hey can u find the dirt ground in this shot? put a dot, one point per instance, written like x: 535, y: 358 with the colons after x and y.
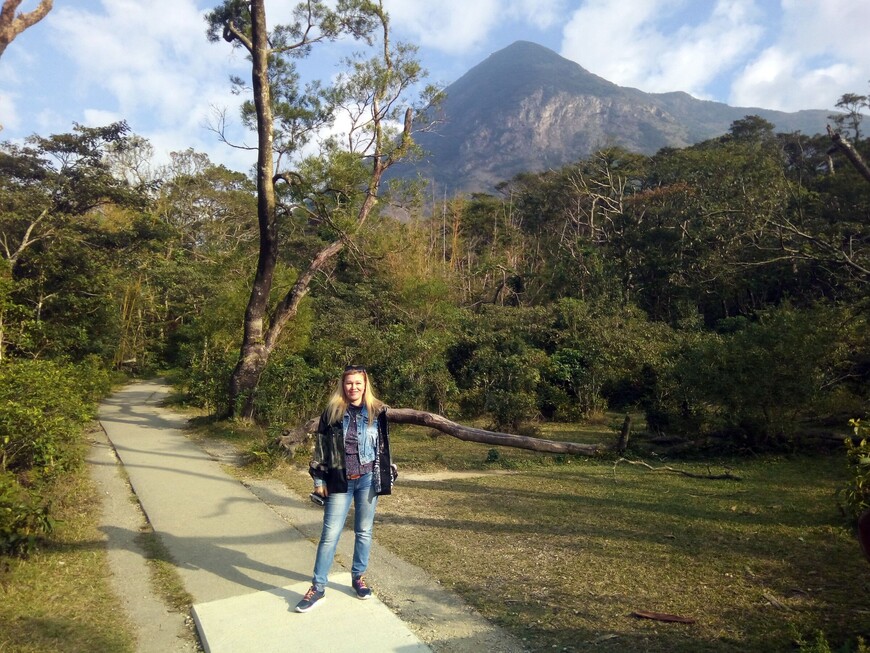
x: 437, y: 616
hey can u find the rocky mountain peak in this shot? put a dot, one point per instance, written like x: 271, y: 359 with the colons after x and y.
x: 527, y: 109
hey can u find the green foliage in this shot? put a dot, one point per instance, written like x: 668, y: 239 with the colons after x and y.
x: 758, y: 380
x: 497, y: 365
x: 60, y: 211
x: 599, y: 351
x: 819, y: 644
x: 45, y: 404
x: 23, y: 518
x: 854, y: 496
x: 291, y: 391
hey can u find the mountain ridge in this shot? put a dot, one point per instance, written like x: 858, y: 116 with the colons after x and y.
x: 527, y: 109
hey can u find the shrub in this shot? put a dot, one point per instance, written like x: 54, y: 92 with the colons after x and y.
x: 854, y: 496
x: 23, y: 518
x: 290, y: 391
x: 45, y: 404
x: 599, y: 354
x: 758, y: 382
x: 497, y: 367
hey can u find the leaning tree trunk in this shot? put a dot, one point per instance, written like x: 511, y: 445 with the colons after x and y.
x: 290, y: 439
x: 260, y: 339
x: 841, y: 144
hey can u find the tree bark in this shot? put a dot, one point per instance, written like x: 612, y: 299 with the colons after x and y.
x: 254, y: 353
x: 259, y: 340
x: 292, y: 438
x: 841, y: 144
x: 624, y: 434
x: 12, y: 25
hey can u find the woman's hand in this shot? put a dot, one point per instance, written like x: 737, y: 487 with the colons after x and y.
x: 320, y: 490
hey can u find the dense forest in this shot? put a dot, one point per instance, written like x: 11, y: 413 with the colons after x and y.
x: 719, y: 290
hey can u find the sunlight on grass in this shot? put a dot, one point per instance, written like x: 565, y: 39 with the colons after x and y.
x: 59, y: 599
x: 562, y: 550
x: 563, y: 555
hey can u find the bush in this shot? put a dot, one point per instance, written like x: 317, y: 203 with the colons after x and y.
x: 45, y: 405
x: 205, y: 378
x: 497, y: 367
x: 290, y: 391
x: 854, y: 496
x: 758, y: 382
x: 599, y: 354
x: 23, y: 518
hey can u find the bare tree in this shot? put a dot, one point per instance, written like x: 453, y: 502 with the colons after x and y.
x: 12, y: 24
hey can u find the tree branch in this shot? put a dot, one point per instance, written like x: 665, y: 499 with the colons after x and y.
x: 844, y: 146
x: 292, y: 438
x: 12, y: 25
x: 726, y: 476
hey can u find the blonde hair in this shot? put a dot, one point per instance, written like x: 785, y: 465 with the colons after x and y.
x: 338, y: 402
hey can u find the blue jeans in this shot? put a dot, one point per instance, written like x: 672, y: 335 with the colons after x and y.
x: 361, y: 492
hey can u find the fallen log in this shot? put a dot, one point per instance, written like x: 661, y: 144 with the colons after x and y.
x: 470, y: 434
x: 290, y: 439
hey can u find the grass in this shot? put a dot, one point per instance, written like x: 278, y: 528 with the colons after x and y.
x: 560, y: 552
x: 164, y: 573
x: 563, y: 550
x: 60, y: 599
x: 563, y: 555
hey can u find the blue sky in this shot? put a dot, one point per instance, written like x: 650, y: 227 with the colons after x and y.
x: 148, y: 61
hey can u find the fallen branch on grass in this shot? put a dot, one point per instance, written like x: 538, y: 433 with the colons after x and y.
x: 726, y: 476
x: 661, y: 616
x: 290, y: 439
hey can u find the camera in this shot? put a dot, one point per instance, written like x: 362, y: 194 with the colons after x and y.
x: 316, y: 498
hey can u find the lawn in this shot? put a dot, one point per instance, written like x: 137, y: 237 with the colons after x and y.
x: 59, y: 599
x: 561, y: 551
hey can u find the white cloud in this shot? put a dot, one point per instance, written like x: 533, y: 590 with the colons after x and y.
x: 151, y: 57
x: 540, y: 13
x: 151, y: 65
x: 649, y: 46
x: 449, y: 25
x: 99, y: 117
x: 8, y: 113
x: 821, y: 52
x: 458, y: 26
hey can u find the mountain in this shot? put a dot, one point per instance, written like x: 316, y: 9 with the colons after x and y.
x: 526, y: 109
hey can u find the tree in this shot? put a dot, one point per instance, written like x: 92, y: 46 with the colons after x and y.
x: 11, y: 25
x: 335, y: 193
x: 49, y: 188
x: 852, y: 104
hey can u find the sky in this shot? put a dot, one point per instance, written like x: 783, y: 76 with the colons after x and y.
x: 148, y: 62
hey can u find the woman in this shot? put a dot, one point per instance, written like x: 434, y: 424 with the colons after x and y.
x: 351, y: 463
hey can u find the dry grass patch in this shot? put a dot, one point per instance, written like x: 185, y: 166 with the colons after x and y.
x: 563, y: 550
x: 60, y: 598
x: 563, y: 554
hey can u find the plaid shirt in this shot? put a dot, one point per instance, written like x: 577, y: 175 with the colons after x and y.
x: 329, y: 466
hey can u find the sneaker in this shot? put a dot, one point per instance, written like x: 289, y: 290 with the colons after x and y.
x: 312, y: 596
x: 362, y: 590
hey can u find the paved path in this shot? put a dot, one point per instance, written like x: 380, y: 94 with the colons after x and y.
x: 245, y: 566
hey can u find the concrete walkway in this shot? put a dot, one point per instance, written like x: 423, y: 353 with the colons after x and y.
x: 245, y: 566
